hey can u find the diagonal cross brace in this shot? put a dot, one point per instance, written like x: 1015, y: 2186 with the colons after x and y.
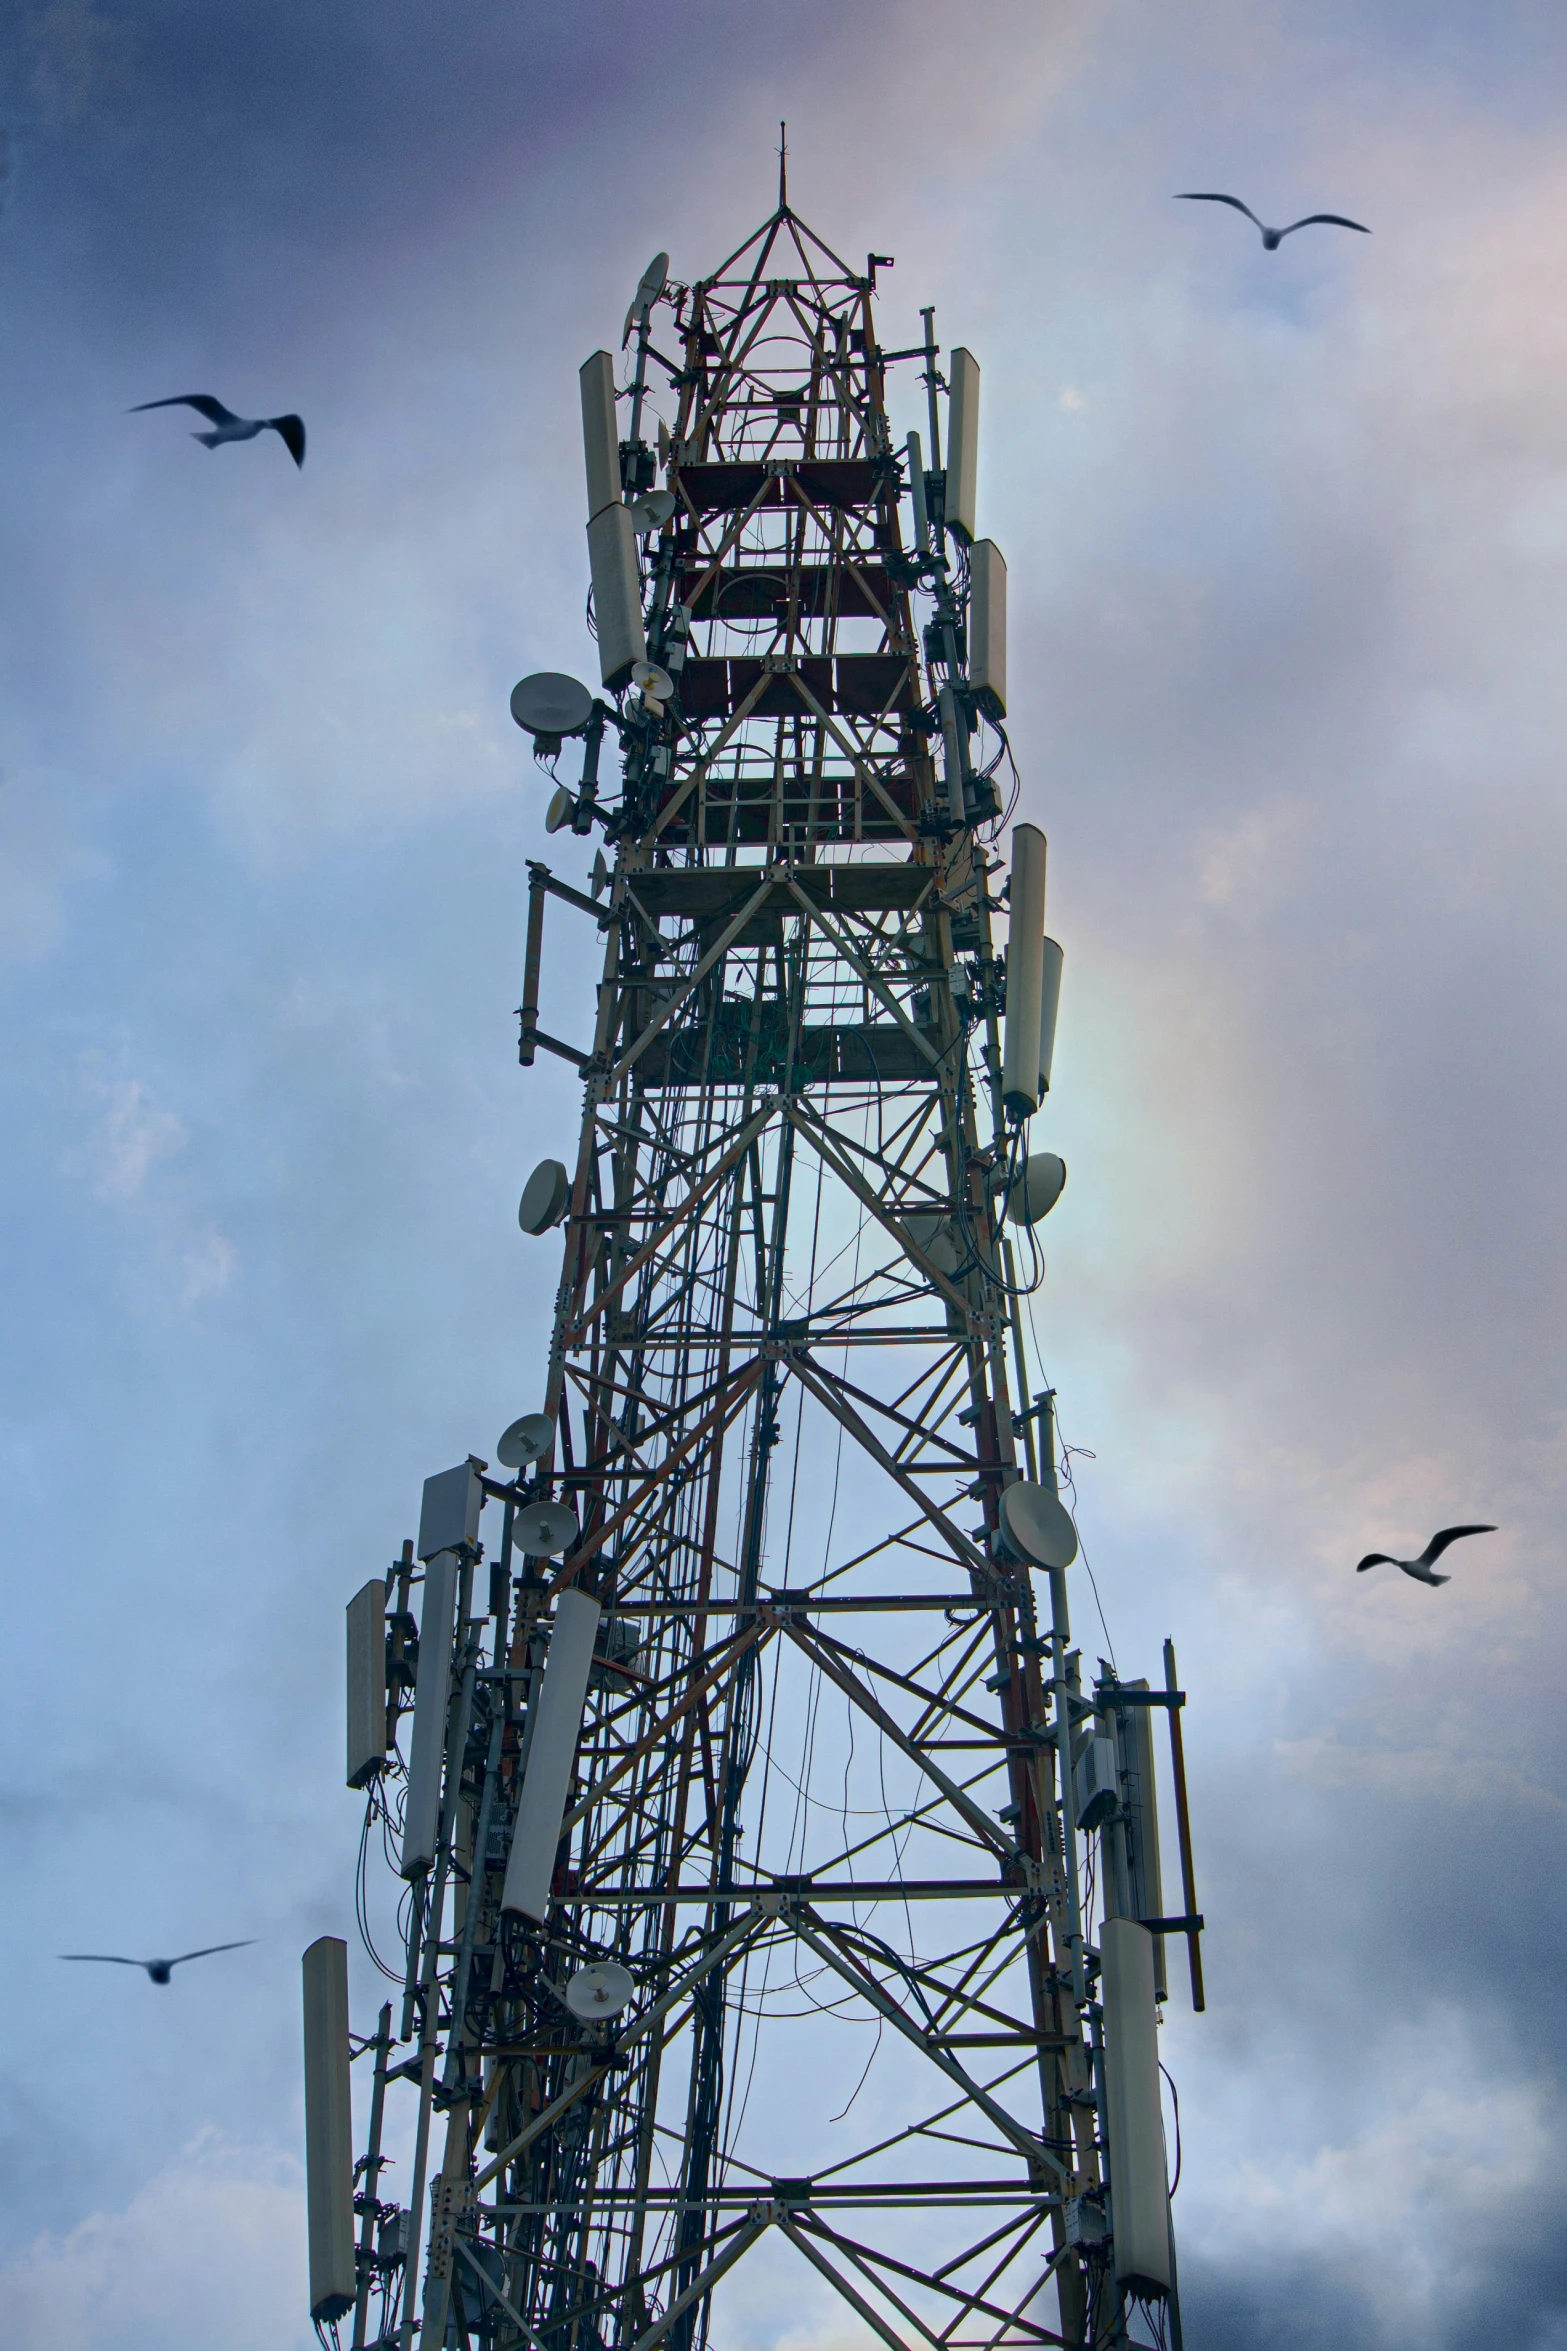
x: 820, y: 1383
x: 578, y: 1331
x: 682, y: 996
x: 817, y: 1933
x: 854, y: 1689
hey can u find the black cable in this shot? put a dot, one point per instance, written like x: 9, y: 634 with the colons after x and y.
x: 1175, y: 2101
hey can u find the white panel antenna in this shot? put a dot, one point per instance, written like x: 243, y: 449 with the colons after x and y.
x: 962, y: 444
x: 1132, y: 2107
x: 329, y: 2131
x: 600, y: 432
x: 987, y: 628
x: 617, y: 594
x: 367, y: 1684
x: 449, y: 1510
x: 432, y: 1689
x: 1049, y: 1006
x: 1025, y: 973
x: 552, y: 1751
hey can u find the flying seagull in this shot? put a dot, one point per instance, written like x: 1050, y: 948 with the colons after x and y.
x: 158, y: 1969
x: 1272, y: 239
x: 1420, y: 1568
x: 290, y: 430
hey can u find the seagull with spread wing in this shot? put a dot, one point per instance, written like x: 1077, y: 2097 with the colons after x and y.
x: 1272, y: 239
x: 1421, y: 1568
x: 159, y: 1970
x: 290, y: 430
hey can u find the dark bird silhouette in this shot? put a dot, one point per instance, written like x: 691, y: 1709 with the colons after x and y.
x: 1420, y: 1568
x: 290, y: 430
x: 159, y: 1970
x: 1272, y: 239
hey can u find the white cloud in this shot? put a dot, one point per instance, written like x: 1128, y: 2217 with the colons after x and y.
x: 208, y: 1265
x: 210, y: 2249
x: 131, y: 1137
x: 1409, y: 2211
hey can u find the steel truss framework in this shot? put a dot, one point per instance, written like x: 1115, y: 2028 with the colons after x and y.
x: 784, y: 1269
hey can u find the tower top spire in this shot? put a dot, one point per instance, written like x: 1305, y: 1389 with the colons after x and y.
x: 783, y: 167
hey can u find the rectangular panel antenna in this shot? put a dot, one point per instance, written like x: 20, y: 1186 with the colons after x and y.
x: 1049, y: 1006
x: 963, y: 444
x: 1140, y: 1803
x: 1025, y: 973
x: 617, y: 594
x: 987, y: 628
x: 367, y: 1683
x: 530, y: 1866
x: 432, y: 1689
x: 1139, y: 2200
x: 600, y: 432
x: 329, y: 2131
x: 449, y: 1512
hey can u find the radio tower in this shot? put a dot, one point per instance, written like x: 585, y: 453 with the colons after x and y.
x: 758, y: 1709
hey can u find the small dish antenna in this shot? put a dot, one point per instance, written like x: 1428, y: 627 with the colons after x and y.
x: 649, y: 287
x: 652, y: 510
x: 1042, y: 1183
x: 549, y: 705
x: 526, y: 1441
x: 932, y: 1235
x: 544, y: 1197
x: 1036, y: 1527
x: 561, y: 810
x: 544, y: 1529
x: 655, y: 685
x: 599, y: 875
x: 599, y: 1990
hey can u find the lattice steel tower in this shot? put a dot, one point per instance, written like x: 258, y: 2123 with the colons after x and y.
x: 763, y: 1714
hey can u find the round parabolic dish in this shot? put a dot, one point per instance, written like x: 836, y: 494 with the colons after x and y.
x: 544, y: 1529
x: 544, y: 1197
x: 1044, y: 1179
x: 932, y: 1234
x: 550, y: 703
x: 601, y: 1989
x: 1036, y: 1526
x: 526, y: 1441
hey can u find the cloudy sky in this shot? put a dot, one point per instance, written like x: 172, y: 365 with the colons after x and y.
x: 1288, y: 548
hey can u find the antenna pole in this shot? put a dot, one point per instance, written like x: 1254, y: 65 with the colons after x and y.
x: 783, y: 167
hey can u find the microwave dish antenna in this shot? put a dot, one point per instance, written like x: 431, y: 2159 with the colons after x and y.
x: 1036, y: 1527
x: 649, y: 287
x: 601, y: 1989
x: 655, y: 685
x: 1043, y: 1182
x: 526, y: 1441
x: 651, y: 511
x: 545, y: 1529
x: 544, y: 1197
x: 548, y: 703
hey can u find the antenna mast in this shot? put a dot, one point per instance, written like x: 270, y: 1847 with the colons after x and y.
x: 755, y: 1718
